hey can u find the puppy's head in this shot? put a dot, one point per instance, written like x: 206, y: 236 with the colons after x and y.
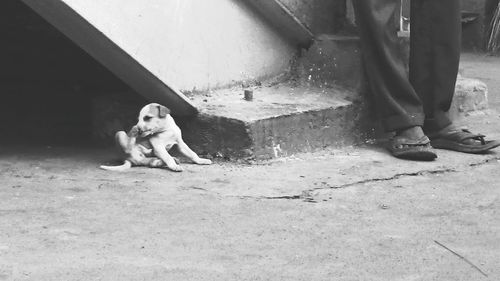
x: 152, y: 119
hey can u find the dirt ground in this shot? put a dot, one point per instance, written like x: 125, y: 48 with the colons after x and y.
x: 350, y: 214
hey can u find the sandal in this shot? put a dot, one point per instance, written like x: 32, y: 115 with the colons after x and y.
x: 457, y: 140
x: 404, y: 148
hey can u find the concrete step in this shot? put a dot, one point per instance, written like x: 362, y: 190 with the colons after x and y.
x: 281, y: 120
x: 471, y: 95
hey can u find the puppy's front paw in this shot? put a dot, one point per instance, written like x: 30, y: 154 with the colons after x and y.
x: 176, y: 168
x: 134, y: 132
x: 203, y: 161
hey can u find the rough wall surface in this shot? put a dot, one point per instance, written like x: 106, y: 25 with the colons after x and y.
x: 191, y: 44
x: 321, y: 16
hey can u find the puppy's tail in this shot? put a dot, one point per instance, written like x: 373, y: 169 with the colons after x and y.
x: 125, y: 166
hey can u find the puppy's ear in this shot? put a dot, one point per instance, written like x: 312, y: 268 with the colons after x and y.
x: 163, y: 111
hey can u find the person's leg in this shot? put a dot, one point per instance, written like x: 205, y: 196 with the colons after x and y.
x: 395, y: 99
x: 434, y: 61
x: 434, y: 57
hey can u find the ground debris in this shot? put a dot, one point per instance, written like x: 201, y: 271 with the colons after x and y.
x: 463, y: 258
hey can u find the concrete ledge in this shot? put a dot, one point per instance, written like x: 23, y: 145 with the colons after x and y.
x: 280, y: 121
x: 470, y: 95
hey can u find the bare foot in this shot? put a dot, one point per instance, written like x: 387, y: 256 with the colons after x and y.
x: 413, y: 133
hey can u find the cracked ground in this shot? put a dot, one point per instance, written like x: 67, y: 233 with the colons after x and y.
x: 350, y: 214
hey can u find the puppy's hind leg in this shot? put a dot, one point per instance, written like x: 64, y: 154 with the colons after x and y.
x: 122, y: 140
x: 126, y: 141
x: 184, y: 149
x: 153, y: 162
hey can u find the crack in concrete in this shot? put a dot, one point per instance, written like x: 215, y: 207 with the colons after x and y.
x: 395, y: 177
x: 306, y: 195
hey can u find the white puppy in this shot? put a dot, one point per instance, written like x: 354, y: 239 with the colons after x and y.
x: 148, y: 142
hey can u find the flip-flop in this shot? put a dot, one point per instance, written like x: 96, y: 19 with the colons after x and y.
x: 419, y: 150
x: 457, y: 140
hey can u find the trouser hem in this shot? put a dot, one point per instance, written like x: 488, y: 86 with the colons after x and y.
x: 401, y: 122
x: 436, y: 123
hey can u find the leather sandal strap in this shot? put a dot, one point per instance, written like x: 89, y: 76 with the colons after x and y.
x: 402, y: 141
x: 465, y: 134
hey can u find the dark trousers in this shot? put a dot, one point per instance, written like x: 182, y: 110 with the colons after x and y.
x: 423, y: 98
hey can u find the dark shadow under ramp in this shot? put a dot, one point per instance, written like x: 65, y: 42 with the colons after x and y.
x: 104, y: 50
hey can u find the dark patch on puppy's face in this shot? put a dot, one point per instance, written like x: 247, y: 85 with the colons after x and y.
x: 163, y: 111
x: 159, y: 111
